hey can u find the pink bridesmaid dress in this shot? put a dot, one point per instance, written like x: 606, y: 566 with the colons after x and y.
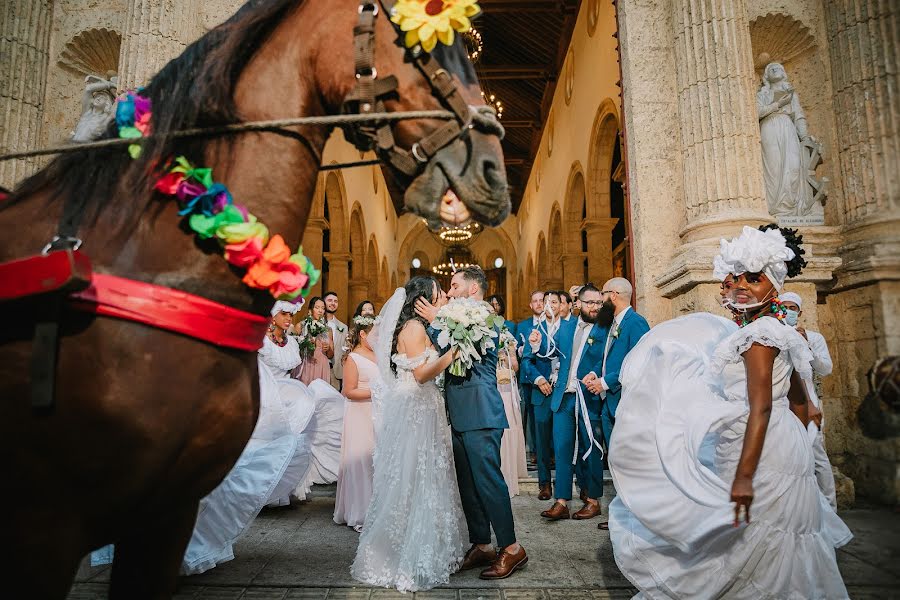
x: 354, y: 486
x: 512, y: 444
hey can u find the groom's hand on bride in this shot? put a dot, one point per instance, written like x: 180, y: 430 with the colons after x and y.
x: 426, y: 310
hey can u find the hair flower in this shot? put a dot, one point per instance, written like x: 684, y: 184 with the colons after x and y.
x: 754, y: 251
x: 208, y: 202
x: 245, y: 253
x: 201, y: 175
x: 206, y: 227
x: 427, y: 22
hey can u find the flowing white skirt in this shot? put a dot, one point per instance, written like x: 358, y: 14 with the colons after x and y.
x: 324, y: 431
x: 673, y: 454
x: 414, y: 533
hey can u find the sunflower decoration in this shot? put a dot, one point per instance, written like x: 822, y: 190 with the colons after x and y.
x: 428, y: 22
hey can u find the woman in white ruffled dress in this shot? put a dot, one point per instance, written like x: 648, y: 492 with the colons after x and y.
x: 415, y: 534
x: 712, y: 463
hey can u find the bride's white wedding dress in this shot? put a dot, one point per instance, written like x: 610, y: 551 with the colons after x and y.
x: 674, y: 451
x: 415, y: 531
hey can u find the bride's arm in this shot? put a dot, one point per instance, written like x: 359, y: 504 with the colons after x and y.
x: 413, y: 341
x: 758, y: 362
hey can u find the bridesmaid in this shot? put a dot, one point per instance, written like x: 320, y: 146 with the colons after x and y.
x: 512, y: 444
x: 316, y: 365
x: 354, y: 486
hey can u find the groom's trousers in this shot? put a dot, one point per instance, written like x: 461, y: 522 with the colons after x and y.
x: 482, y: 489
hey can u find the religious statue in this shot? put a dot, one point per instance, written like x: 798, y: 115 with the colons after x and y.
x: 98, y: 106
x: 790, y: 154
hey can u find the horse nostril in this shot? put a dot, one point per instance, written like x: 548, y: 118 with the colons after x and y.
x: 492, y: 174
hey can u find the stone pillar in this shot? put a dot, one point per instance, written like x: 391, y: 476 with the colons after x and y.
x: 862, y: 322
x: 359, y: 291
x: 24, y: 47
x: 156, y: 31
x: 722, y: 164
x: 573, y: 270
x: 312, y: 247
x: 339, y: 280
x: 599, y: 243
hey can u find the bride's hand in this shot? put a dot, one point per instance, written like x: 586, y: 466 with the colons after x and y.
x: 742, y: 496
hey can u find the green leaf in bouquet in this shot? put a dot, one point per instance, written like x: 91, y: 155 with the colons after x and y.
x: 459, y: 334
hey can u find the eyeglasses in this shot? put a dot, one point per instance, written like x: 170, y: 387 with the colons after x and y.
x: 591, y: 302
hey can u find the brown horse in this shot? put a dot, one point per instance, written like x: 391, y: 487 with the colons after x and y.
x: 147, y: 422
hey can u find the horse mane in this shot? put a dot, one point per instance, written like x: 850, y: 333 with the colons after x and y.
x: 196, y: 89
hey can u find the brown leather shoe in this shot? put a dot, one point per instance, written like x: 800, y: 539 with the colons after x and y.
x: 546, y: 492
x: 588, y: 511
x: 506, y: 564
x: 556, y: 512
x: 476, y: 557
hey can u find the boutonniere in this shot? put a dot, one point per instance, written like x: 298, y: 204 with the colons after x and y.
x: 617, y: 331
x: 590, y: 341
x: 341, y: 329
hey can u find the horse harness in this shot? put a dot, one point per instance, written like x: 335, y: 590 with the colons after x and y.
x: 61, y: 275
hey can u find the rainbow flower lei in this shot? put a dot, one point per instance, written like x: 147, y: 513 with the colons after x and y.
x: 212, y: 213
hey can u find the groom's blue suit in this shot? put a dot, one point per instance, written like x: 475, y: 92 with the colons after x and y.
x: 477, y: 419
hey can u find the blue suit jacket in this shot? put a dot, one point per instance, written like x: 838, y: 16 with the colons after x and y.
x: 632, y: 329
x: 536, y: 365
x: 591, y: 360
x: 474, y: 401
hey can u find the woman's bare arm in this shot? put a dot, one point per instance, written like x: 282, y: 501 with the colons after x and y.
x: 351, y: 389
x: 758, y: 362
x: 412, y: 341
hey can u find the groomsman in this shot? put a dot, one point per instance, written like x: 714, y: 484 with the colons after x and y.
x: 339, y: 331
x: 626, y: 328
x: 537, y: 373
x: 522, y: 331
x: 576, y: 410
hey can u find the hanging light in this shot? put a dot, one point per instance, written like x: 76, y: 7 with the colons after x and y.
x: 473, y: 43
x: 493, y: 101
x: 458, y: 235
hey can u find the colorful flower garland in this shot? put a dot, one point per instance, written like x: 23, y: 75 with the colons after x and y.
x: 775, y: 309
x: 212, y: 213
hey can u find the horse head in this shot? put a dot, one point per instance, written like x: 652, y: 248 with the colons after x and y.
x: 425, y: 158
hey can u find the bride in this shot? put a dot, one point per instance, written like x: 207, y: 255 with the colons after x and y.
x: 414, y: 533
x: 721, y: 426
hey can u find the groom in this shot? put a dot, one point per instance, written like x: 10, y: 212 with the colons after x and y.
x: 477, y: 419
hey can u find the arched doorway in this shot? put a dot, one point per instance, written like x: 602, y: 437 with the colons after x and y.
x: 555, y: 276
x: 358, y: 282
x: 575, y: 255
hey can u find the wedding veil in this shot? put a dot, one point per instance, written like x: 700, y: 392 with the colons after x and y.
x: 382, y: 339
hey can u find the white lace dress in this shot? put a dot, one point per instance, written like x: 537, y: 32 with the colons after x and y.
x: 415, y: 531
x: 674, y: 451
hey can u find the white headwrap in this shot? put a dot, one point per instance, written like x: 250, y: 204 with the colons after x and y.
x: 792, y: 297
x: 754, y: 251
x: 285, y: 306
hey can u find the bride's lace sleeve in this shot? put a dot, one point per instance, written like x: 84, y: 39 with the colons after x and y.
x: 409, y: 364
x: 766, y: 332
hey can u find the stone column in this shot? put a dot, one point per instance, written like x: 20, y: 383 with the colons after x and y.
x: 573, y: 269
x: 156, y: 31
x: 339, y: 280
x: 722, y: 164
x: 312, y: 247
x: 599, y: 243
x: 359, y: 291
x: 24, y: 47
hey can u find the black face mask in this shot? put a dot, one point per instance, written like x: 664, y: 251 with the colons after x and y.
x: 607, y: 314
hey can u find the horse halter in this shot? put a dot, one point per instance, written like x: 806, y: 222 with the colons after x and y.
x: 370, y: 92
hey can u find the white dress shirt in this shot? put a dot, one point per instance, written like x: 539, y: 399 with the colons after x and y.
x: 617, y: 322
x: 582, y: 333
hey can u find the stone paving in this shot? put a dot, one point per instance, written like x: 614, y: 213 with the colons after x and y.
x: 298, y: 553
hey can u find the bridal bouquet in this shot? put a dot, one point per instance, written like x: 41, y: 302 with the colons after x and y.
x: 468, y: 326
x: 312, y: 329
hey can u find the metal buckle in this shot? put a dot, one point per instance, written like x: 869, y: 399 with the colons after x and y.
x: 373, y: 6
x: 372, y: 73
x: 415, y: 152
x: 72, y: 242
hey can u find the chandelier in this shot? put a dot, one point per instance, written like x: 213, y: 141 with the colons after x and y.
x: 494, y: 102
x: 457, y: 235
x: 473, y: 43
x: 457, y: 257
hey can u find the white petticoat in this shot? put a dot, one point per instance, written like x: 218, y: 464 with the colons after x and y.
x: 676, y: 443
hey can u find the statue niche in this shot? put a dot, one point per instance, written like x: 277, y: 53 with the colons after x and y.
x: 98, y: 102
x: 790, y: 155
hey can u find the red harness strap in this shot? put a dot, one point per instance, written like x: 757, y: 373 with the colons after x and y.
x: 172, y: 310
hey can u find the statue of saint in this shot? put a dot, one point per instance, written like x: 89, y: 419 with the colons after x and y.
x: 789, y: 154
x: 98, y: 106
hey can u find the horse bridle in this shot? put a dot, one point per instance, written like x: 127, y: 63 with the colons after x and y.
x: 370, y: 92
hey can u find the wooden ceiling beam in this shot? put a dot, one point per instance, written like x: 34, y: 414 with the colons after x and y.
x: 522, y: 124
x: 495, y: 72
x: 529, y: 6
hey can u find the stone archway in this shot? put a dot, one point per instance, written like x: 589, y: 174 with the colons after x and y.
x: 531, y: 283
x: 555, y: 245
x: 358, y: 283
x: 384, y: 280
x: 372, y: 269
x: 543, y: 262
x: 335, y: 242
x: 604, y: 225
x: 574, y: 258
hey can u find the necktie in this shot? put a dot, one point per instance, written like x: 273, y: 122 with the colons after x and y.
x: 580, y: 332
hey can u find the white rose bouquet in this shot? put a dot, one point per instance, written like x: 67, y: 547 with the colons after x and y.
x: 468, y: 326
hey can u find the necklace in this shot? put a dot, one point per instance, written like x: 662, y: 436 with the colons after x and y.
x: 775, y: 309
x: 274, y: 339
